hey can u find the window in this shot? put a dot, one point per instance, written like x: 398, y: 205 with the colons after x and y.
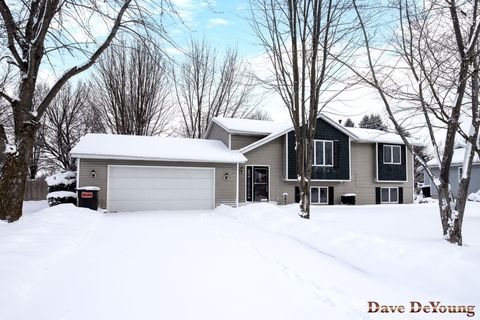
x: 460, y: 173
x: 319, y: 195
x: 323, y: 153
x: 391, y: 154
x: 389, y: 195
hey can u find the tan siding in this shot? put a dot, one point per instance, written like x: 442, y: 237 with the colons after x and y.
x: 225, y: 190
x: 240, y: 141
x: 218, y: 133
x: 362, y: 181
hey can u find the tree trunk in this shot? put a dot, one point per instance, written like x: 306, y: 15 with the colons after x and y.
x: 13, y: 175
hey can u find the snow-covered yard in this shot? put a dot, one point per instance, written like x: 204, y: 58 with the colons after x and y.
x: 254, y: 262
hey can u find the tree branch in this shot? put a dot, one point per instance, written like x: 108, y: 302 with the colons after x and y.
x: 12, y: 34
x: 78, y: 69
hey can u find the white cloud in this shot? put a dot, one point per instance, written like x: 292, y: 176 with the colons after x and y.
x: 217, y: 22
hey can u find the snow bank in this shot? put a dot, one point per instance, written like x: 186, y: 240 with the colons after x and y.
x: 392, y: 243
x: 29, y: 246
x: 474, y: 196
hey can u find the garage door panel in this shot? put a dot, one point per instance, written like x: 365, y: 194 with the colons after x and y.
x: 156, y: 182
x: 161, y: 194
x: 173, y: 205
x: 160, y: 188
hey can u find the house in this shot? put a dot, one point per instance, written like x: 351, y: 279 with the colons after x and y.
x: 241, y: 161
x: 455, y: 172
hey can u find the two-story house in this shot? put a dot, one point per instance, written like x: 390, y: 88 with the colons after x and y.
x: 241, y: 161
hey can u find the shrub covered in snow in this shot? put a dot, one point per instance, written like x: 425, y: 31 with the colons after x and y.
x: 474, y: 196
x: 61, y: 188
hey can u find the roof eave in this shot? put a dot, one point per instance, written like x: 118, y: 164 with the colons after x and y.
x: 117, y: 157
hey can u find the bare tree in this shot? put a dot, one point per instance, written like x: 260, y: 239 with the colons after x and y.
x: 435, y: 63
x: 207, y: 86
x: 65, y: 123
x: 35, y: 32
x: 299, y: 38
x: 131, y: 89
x: 259, y: 114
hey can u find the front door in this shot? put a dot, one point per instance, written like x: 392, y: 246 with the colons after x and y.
x: 257, y: 183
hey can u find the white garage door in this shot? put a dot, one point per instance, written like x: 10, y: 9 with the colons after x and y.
x: 160, y: 188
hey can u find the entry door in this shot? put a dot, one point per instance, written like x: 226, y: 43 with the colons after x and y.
x: 257, y: 183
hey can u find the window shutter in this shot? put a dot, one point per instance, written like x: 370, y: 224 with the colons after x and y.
x: 331, y: 196
x: 335, y: 154
x: 400, y: 195
x: 377, y: 195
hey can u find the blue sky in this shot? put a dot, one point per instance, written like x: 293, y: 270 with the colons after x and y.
x: 223, y: 23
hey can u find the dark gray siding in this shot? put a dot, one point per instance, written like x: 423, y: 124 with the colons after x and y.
x: 218, y: 133
x: 362, y: 182
x: 225, y: 190
x: 341, y: 168
x: 391, y: 172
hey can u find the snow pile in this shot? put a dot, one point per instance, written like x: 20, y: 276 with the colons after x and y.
x: 33, y: 245
x: 61, y: 188
x: 61, y: 194
x: 474, y: 196
x: 64, y: 177
x: 398, y: 243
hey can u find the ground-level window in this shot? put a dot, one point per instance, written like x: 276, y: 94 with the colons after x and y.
x: 389, y: 195
x: 319, y: 195
x: 460, y: 173
x: 391, y: 154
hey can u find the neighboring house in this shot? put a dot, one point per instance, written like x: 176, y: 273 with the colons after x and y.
x: 241, y: 161
x: 455, y: 172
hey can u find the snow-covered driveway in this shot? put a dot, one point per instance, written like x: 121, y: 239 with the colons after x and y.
x: 70, y: 263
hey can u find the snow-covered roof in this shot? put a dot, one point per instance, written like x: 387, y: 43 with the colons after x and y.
x: 247, y: 126
x: 457, y: 159
x: 113, y: 146
x: 378, y: 136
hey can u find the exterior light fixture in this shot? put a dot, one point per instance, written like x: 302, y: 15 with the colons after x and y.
x: 93, y: 173
x: 241, y: 169
x: 226, y: 176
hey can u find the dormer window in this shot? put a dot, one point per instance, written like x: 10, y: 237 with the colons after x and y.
x: 323, y: 153
x: 392, y: 154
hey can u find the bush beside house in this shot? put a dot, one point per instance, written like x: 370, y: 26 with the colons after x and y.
x: 61, y: 188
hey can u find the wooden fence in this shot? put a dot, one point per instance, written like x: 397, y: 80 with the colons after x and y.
x: 36, y: 189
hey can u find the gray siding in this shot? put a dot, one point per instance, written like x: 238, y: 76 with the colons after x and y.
x: 453, y: 176
x: 225, y: 190
x: 362, y: 181
x: 218, y: 133
x: 240, y: 141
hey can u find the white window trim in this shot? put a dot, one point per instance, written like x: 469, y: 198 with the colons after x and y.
x: 389, y: 188
x: 315, y: 164
x: 391, y: 153
x: 319, y: 202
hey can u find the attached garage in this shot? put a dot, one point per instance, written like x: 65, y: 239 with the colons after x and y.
x: 137, y: 173
x: 141, y: 188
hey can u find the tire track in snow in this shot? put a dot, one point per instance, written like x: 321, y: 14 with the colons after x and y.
x: 329, y: 295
